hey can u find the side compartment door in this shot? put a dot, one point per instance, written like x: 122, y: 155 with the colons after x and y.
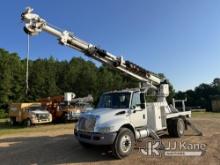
x: 138, y: 116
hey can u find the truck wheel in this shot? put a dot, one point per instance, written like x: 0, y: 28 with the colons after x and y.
x: 124, y: 143
x: 27, y: 123
x: 64, y: 118
x: 12, y: 121
x: 176, y: 127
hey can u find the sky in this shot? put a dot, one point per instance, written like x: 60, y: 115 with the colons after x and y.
x: 180, y: 38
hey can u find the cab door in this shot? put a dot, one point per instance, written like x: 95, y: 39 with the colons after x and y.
x: 138, y: 113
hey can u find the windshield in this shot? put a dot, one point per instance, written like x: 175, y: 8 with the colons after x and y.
x: 36, y: 108
x: 115, y: 100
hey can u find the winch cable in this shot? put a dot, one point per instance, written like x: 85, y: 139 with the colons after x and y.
x: 27, y: 63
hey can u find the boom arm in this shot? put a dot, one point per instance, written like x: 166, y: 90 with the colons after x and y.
x: 34, y: 24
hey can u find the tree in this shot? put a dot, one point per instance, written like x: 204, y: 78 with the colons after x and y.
x: 50, y: 77
x: 216, y: 82
x: 10, y: 77
x: 202, y: 95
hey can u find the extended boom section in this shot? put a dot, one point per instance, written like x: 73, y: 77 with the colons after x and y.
x: 34, y: 24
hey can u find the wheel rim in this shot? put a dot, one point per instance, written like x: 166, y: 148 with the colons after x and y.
x: 125, y: 143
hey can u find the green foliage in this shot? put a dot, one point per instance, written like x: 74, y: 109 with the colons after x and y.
x: 11, y: 77
x: 50, y: 77
x: 202, y: 95
x: 3, y: 114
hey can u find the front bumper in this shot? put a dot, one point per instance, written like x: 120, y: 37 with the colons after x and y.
x: 41, y: 121
x: 95, y: 138
x: 72, y: 116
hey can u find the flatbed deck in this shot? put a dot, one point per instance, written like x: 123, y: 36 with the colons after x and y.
x: 177, y: 114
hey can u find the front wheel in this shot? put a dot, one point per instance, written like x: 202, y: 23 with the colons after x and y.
x: 13, y: 121
x: 124, y: 143
x: 27, y: 123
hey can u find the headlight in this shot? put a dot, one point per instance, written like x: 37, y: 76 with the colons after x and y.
x: 106, y: 129
x: 33, y: 116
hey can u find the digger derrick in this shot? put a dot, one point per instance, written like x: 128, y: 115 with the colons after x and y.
x: 34, y: 24
x: 61, y: 108
x: 109, y: 124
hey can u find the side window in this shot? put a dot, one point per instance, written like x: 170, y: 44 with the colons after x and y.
x: 135, y: 99
x: 14, y: 109
x: 107, y: 101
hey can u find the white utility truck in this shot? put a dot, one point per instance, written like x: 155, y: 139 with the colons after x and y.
x: 121, y: 117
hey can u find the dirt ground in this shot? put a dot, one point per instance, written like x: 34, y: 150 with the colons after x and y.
x: 58, y: 146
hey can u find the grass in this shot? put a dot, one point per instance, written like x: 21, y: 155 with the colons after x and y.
x: 6, y: 129
x: 3, y: 120
x: 206, y: 114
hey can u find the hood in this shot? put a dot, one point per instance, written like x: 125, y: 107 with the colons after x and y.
x: 105, y: 112
x: 105, y: 117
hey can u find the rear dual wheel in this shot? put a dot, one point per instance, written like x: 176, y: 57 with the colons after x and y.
x: 176, y: 127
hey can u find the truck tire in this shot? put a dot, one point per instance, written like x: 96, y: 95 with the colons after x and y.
x: 124, y: 143
x: 13, y: 121
x: 176, y: 127
x: 27, y: 123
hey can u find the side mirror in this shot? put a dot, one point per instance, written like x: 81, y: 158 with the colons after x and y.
x: 142, y: 97
x: 136, y: 107
x: 142, y: 106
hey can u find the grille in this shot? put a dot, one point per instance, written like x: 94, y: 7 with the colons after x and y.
x: 87, y: 124
x: 43, y: 116
x: 85, y: 136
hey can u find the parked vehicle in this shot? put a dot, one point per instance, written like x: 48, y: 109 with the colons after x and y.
x: 66, y: 108
x: 28, y: 114
x: 122, y: 117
